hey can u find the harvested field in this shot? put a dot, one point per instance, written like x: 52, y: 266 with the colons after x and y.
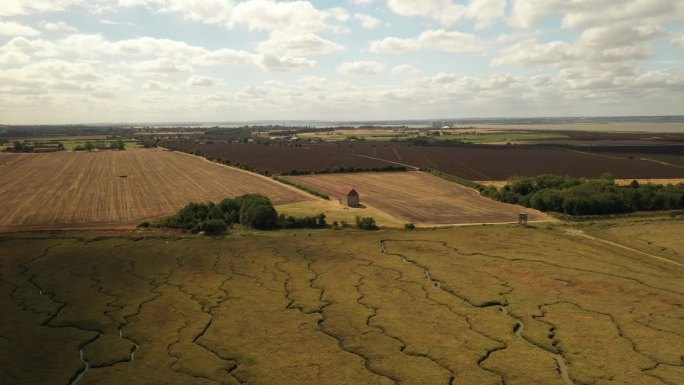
x: 469, y: 306
x: 6, y: 158
x: 419, y: 197
x: 474, y: 162
x: 68, y: 189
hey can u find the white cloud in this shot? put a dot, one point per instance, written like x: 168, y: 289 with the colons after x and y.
x: 441, y: 40
x: 10, y: 28
x: 161, y: 66
x: 113, y: 22
x: 270, y: 62
x: 678, y: 40
x: 156, y: 86
x: 405, y: 69
x: 367, y: 21
x: 361, y: 68
x: 484, y: 12
x: 58, y: 27
x: 595, y: 45
x: 268, y: 15
x: 594, y: 13
x: 12, y: 59
x: 201, y: 81
x: 338, y: 13
x: 297, y: 44
x: 224, y: 56
x: 361, y: 2
x: 292, y: 27
x: 27, y: 7
x: 206, y: 11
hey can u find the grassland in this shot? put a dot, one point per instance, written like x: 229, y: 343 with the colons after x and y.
x: 419, y: 197
x: 336, y: 212
x: 111, y: 188
x: 499, y: 137
x: 474, y: 305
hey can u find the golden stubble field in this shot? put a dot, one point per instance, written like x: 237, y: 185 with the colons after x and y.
x: 419, y: 197
x: 475, y: 305
x: 69, y: 189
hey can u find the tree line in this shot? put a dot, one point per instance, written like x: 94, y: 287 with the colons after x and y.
x: 251, y: 210
x: 582, y: 196
x: 343, y: 170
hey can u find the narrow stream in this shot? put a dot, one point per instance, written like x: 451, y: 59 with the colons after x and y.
x: 562, y: 365
x: 136, y: 344
x: 86, y: 367
x: 563, y: 369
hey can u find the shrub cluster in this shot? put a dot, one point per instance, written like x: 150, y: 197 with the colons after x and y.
x: 581, y: 196
x: 251, y: 210
x: 366, y: 223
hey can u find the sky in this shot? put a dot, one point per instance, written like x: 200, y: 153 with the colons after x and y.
x: 128, y: 61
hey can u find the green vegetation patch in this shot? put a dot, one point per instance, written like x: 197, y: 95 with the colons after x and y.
x: 251, y: 210
x: 498, y: 137
x: 582, y: 196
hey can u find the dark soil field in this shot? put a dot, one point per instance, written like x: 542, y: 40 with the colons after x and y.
x: 280, y: 159
x: 476, y: 162
x: 673, y: 155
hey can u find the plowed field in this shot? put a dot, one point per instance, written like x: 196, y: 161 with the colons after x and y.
x: 475, y: 162
x: 419, y: 197
x: 68, y: 189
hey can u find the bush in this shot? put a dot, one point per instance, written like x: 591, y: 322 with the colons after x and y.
x: 409, y: 226
x: 214, y: 227
x: 257, y: 211
x: 366, y: 223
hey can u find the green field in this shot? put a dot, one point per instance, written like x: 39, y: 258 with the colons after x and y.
x: 69, y: 145
x: 472, y: 305
x: 498, y: 137
x: 465, y: 137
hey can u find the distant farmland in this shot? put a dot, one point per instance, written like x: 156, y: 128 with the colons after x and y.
x: 280, y: 159
x: 475, y: 162
x: 419, y: 197
x: 70, y: 189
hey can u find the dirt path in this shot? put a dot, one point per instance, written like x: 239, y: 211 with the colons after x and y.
x: 389, y: 161
x: 580, y: 233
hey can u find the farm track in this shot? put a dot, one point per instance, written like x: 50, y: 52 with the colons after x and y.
x: 65, y: 190
x: 435, y: 307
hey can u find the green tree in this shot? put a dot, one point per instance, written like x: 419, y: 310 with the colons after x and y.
x: 214, y: 227
x: 117, y: 145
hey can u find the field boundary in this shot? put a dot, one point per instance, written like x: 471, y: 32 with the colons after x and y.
x: 309, y: 190
x: 389, y: 161
x: 580, y: 233
x: 456, y: 179
x: 246, y: 172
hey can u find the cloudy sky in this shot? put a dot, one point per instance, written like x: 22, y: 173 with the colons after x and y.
x: 89, y: 61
